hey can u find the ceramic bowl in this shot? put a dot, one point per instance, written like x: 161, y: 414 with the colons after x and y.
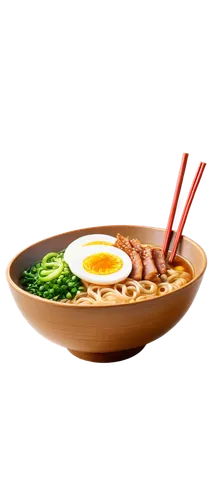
x: 106, y: 333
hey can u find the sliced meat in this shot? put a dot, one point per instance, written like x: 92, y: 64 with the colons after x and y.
x: 124, y: 244
x: 137, y: 246
x: 159, y: 260
x: 150, y: 270
x: 137, y: 265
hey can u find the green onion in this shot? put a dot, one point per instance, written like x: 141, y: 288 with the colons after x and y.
x: 45, y: 272
x: 56, y: 297
x: 54, y: 274
x: 51, y: 265
x: 51, y: 278
x: 46, y: 259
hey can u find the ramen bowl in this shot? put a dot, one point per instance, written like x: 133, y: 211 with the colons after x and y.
x: 105, y: 333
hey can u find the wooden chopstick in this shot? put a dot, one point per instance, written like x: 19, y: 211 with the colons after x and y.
x: 189, y: 201
x: 179, y: 211
x: 168, y: 232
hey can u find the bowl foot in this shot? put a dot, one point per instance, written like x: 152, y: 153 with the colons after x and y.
x: 106, y: 357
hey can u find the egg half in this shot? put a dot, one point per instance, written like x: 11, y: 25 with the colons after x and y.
x: 100, y: 264
x: 88, y: 240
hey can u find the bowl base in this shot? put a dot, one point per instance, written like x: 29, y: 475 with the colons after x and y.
x: 106, y: 357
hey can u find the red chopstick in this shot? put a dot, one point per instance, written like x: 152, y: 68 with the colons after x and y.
x: 189, y: 201
x: 168, y: 232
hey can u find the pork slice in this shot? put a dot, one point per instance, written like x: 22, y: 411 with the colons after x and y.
x: 150, y: 270
x: 137, y: 266
x: 124, y: 244
x: 159, y: 260
x: 137, y: 246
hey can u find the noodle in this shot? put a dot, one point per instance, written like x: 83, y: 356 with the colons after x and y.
x: 164, y: 288
x: 148, y: 287
x: 130, y: 291
x: 173, y: 277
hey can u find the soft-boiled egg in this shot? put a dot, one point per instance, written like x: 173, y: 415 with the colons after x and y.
x: 89, y: 239
x: 100, y: 264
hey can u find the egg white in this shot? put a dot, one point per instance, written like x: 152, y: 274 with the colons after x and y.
x: 76, y: 258
x: 84, y: 240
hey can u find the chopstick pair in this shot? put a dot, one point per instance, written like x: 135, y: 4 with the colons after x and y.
x: 188, y: 204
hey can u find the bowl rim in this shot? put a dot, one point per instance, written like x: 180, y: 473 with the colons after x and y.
x: 88, y: 307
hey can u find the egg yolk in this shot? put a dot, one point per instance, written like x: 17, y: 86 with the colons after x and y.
x: 97, y: 243
x: 102, y: 263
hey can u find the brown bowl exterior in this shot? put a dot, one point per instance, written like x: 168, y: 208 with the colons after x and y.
x: 106, y: 333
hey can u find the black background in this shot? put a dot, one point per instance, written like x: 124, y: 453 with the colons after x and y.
x: 102, y: 171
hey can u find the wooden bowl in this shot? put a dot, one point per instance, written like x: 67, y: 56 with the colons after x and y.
x: 106, y: 333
